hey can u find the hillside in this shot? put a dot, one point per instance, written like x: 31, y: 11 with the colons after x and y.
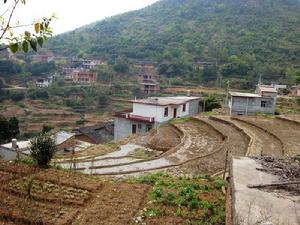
x: 245, y: 37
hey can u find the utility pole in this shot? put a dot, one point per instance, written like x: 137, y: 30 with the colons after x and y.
x: 227, y: 91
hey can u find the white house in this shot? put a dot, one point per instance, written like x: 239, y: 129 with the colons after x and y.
x: 44, y: 82
x: 150, y: 112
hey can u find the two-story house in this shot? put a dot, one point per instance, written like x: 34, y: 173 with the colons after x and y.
x: 152, y: 112
x: 262, y: 101
x: 148, y: 83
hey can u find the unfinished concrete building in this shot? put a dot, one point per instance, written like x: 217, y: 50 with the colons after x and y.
x: 148, y: 83
x: 262, y: 101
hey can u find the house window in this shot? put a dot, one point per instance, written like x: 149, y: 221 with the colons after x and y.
x: 183, y: 107
x: 139, y: 126
x: 148, y: 127
x: 134, y: 128
x: 166, y: 113
x: 263, y: 104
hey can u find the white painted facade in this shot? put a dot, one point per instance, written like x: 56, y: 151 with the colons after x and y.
x: 158, y: 112
x: 153, y: 112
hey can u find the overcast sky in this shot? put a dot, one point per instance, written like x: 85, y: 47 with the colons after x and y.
x: 75, y: 13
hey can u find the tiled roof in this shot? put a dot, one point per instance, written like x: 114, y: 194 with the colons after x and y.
x: 93, y: 132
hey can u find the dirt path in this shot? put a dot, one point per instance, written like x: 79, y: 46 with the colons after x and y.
x: 263, y: 142
x: 237, y: 141
x: 237, y: 144
x: 200, y: 140
x: 288, y: 132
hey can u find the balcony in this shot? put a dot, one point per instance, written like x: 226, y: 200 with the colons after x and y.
x: 127, y: 114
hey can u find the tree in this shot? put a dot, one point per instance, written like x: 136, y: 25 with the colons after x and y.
x: 211, y: 102
x: 14, y: 127
x: 27, y: 40
x: 42, y: 150
x: 38, y: 94
x: 47, y: 128
x: 17, y: 95
x: 103, y: 99
x: 121, y: 67
x: 4, y: 129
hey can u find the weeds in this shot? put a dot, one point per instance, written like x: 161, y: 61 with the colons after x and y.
x: 180, y: 120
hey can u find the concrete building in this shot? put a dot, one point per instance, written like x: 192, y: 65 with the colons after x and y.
x: 43, y: 58
x: 84, y: 77
x: 85, y: 63
x: 44, y: 82
x: 148, y: 83
x: 262, y: 101
x: 64, y: 141
x: 10, y: 150
x: 152, y: 112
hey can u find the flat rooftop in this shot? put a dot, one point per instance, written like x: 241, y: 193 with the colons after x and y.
x: 242, y: 94
x: 164, y: 101
x: 23, y: 145
x: 268, y: 89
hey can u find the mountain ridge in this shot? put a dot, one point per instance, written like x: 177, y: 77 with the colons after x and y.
x: 257, y: 37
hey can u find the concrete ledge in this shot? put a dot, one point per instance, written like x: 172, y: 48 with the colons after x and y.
x: 257, y: 206
x: 288, y: 120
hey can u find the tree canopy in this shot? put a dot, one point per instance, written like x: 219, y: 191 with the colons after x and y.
x: 246, y: 38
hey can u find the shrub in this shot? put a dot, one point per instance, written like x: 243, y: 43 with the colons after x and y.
x: 46, y: 128
x: 38, y: 94
x: 175, y: 81
x: 211, y: 103
x: 42, y: 150
x: 219, y: 183
x: 194, y: 204
x: 17, y: 95
x: 157, y: 193
x: 14, y: 127
x: 103, y: 100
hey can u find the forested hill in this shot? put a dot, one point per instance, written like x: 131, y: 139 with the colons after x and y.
x: 245, y: 37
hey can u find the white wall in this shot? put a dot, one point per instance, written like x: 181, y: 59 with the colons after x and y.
x: 158, y: 111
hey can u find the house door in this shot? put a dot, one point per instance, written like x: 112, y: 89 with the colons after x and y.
x: 134, y: 128
x: 175, y: 113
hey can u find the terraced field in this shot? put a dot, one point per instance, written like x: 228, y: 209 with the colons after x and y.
x: 263, y: 142
x: 202, y: 147
x: 200, y: 140
x: 54, y: 197
x: 287, y: 132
